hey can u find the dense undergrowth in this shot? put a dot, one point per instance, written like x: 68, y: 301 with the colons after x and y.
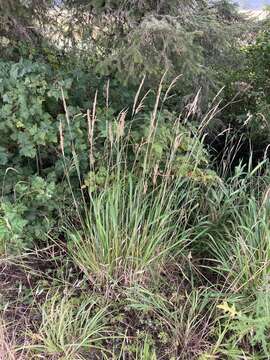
x: 134, y: 217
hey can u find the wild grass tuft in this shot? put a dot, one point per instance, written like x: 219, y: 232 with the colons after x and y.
x: 128, y: 234
x: 70, y: 327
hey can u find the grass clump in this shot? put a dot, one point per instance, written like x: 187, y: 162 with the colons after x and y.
x: 70, y: 327
x: 182, y: 321
x: 243, y: 256
x: 129, y: 234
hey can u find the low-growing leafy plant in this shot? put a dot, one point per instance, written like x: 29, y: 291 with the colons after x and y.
x: 29, y: 214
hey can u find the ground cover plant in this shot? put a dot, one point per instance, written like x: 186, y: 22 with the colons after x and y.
x: 135, y: 181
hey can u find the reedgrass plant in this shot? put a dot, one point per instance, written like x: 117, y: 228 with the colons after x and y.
x: 137, y: 205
